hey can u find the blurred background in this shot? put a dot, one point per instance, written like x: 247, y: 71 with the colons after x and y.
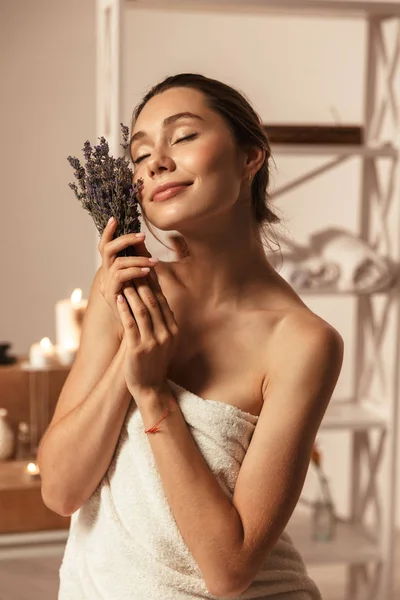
x: 297, y: 67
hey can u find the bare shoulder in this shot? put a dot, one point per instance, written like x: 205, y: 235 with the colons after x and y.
x: 304, y: 326
x: 307, y: 345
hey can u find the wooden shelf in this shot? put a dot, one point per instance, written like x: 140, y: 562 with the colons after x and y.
x: 387, y: 150
x: 12, y: 476
x: 352, y: 8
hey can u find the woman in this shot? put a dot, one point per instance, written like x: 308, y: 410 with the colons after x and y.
x: 182, y: 436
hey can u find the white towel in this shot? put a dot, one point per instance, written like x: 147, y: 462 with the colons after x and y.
x: 124, y: 542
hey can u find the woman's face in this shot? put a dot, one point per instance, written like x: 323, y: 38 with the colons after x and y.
x: 178, y: 139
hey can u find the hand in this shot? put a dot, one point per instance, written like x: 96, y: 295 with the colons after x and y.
x: 117, y: 271
x: 150, y: 334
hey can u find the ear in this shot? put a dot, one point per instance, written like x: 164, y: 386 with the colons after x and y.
x: 254, y: 158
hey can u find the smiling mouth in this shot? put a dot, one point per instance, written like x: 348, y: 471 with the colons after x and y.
x: 170, y: 192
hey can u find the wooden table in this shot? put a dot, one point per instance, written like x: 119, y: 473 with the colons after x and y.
x: 21, y: 506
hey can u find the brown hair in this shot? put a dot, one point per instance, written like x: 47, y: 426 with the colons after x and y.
x: 243, y: 121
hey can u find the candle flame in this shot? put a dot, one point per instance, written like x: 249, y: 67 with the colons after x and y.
x: 45, y: 343
x: 32, y: 468
x: 76, y: 296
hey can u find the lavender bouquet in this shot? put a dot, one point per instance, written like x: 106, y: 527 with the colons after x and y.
x: 105, y: 188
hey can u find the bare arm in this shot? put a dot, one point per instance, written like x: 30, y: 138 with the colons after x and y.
x: 78, y: 446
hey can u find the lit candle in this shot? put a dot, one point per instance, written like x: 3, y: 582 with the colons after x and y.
x: 32, y: 470
x: 42, y: 355
x: 69, y: 317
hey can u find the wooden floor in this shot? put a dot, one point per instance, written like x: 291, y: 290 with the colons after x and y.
x: 37, y: 579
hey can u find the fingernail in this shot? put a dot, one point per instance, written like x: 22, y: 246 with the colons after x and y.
x: 120, y: 298
x: 110, y: 220
x: 153, y: 260
x: 140, y: 235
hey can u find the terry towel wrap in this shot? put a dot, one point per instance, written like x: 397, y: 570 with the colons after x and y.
x: 124, y: 542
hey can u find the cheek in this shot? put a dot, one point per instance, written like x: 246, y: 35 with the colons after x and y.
x: 210, y: 158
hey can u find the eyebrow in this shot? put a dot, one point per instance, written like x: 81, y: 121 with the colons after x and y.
x: 167, y: 121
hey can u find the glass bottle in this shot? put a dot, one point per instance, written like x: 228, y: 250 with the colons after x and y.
x: 324, y: 517
x: 24, y: 451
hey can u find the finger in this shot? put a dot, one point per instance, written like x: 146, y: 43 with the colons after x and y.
x: 150, y: 300
x: 126, y: 268
x: 125, y: 262
x: 107, y: 235
x: 111, y: 248
x: 127, y: 319
x: 169, y: 317
x: 126, y: 276
x: 167, y: 312
x: 141, y: 314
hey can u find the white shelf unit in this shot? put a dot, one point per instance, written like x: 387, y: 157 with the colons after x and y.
x: 32, y: 545
x: 370, y: 419
x: 351, y: 541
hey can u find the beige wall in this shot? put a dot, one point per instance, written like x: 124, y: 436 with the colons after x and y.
x: 47, y: 111
x: 293, y: 69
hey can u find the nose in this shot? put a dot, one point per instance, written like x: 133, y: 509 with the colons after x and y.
x: 159, y: 162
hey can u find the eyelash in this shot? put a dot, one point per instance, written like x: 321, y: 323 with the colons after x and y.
x: 187, y: 137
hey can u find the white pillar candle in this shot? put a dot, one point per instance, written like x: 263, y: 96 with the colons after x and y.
x: 67, y: 353
x: 69, y: 317
x: 42, y: 355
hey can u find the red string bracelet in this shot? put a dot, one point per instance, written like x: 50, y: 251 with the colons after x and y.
x: 155, y: 427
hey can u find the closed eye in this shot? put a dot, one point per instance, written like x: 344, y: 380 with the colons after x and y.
x: 183, y: 139
x: 140, y: 158
x: 187, y: 137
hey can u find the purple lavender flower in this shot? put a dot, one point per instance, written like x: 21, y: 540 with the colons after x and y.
x: 105, y: 188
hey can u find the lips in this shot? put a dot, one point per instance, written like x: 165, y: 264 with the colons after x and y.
x: 168, y: 190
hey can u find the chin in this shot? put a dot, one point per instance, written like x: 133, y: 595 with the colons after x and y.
x: 169, y: 224
x: 172, y: 219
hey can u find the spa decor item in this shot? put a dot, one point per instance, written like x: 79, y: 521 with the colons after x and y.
x: 105, y: 188
x: 42, y: 355
x: 324, y: 515
x: 5, y: 358
x: 336, y: 260
x: 23, y: 445
x: 7, y: 437
x: 69, y: 315
x: 31, y: 471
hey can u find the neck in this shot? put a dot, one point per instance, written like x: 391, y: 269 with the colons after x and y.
x: 224, y: 264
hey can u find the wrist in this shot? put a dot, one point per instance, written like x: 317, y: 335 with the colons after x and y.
x: 152, y: 393
x: 153, y: 399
